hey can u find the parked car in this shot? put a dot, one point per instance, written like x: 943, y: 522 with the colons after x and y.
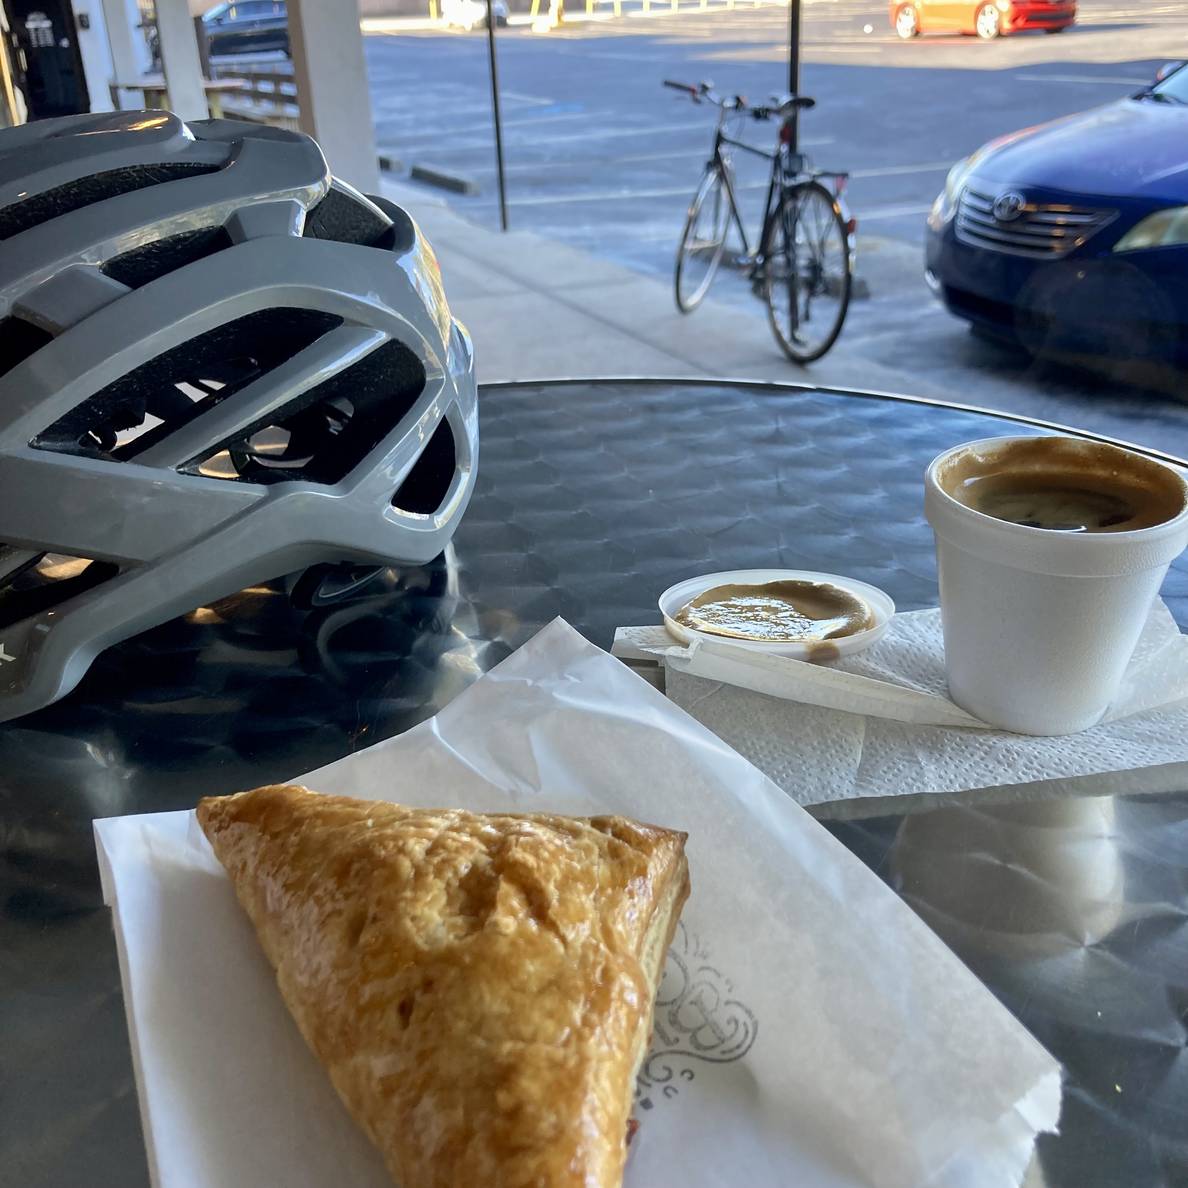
x: 247, y: 27
x: 472, y: 14
x: 987, y: 18
x: 1072, y: 237
x: 242, y: 27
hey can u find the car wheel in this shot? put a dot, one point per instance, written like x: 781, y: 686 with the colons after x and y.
x: 1059, y: 30
x: 907, y: 22
x: 988, y: 22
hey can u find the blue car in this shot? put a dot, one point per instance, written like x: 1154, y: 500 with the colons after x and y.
x: 1071, y: 238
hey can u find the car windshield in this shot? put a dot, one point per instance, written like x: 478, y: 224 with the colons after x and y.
x: 1173, y: 89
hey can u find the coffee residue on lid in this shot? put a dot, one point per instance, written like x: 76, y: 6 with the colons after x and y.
x: 777, y: 612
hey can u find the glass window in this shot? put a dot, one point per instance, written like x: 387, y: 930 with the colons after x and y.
x: 1174, y: 89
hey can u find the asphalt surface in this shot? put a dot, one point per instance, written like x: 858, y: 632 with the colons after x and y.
x: 600, y: 156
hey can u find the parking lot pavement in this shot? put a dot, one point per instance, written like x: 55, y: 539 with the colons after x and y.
x: 601, y: 158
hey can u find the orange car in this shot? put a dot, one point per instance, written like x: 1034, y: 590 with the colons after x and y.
x: 987, y: 18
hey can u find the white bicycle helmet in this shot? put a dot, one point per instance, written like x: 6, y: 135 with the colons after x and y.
x: 218, y: 365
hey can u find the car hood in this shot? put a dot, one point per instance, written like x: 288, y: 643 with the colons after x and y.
x: 1132, y: 148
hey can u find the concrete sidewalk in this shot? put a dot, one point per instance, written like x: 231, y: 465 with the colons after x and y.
x: 540, y: 309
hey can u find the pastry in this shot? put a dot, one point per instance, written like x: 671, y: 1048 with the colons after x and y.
x: 479, y: 987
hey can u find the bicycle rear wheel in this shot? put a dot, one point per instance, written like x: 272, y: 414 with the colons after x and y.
x: 807, y: 272
x: 703, y: 242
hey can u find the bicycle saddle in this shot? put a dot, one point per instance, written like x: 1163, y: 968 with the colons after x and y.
x: 782, y: 104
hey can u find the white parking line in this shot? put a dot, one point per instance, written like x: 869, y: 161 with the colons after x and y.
x: 897, y: 170
x: 611, y: 56
x: 459, y: 144
x: 890, y: 212
x: 531, y: 100
x: 1084, y: 78
x: 823, y: 48
x: 602, y: 196
x: 805, y: 142
x: 645, y: 158
x: 394, y: 125
x: 532, y: 121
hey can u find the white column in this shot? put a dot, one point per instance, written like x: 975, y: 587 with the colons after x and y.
x: 179, y: 56
x: 95, y: 52
x: 331, y: 76
x: 123, y: 37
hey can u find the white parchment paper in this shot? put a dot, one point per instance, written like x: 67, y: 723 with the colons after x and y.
x: 810, y: 1029
x: 872, y: 732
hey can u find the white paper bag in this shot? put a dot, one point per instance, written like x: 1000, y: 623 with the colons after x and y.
x: 810, y: 1029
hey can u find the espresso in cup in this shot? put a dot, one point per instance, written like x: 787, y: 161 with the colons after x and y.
x: 1050, y: 552
x: 1063, y: 485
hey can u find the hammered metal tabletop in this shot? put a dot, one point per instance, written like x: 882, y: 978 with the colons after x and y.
x: 592, y: 498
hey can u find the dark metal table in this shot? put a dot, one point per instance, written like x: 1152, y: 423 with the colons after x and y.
x: 593, y: 497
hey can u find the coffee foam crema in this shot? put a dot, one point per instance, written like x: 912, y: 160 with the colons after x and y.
x: 1063, y: 484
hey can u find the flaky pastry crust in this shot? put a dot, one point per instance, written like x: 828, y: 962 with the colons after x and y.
x: 479, y: 987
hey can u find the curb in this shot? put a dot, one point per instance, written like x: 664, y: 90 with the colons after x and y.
x: 456, y: 183
x: 657, y: 9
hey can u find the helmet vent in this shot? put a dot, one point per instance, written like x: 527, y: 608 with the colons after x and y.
x: 146, y: 405
x: 86, y: 191
x: 144, y: 264
x: 345, y: 219
x: 46, y: 581
x: 18, y: 340
x: 428, y: 483
x: 323, y: 434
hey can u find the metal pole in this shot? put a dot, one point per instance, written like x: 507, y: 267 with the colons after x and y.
x: 495, y: 112
x: 794, y: 65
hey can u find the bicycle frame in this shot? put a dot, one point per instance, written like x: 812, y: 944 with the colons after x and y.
x: 786, y: 168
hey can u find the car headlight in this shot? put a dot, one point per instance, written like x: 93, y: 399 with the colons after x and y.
x: 955, y: 180
x: 1164, y: 228
x: 945, y: 205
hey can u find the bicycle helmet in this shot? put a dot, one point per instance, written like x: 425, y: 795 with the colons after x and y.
x: 218, y: 365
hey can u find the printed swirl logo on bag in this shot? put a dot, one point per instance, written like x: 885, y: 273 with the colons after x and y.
x: 697, y: 1019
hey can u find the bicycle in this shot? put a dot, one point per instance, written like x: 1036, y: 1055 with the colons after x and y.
x: 804, y: 260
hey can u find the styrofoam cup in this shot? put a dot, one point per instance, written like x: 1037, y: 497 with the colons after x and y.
x: 1039, y: 625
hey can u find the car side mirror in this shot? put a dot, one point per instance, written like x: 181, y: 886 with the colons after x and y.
x: 1167, y: 70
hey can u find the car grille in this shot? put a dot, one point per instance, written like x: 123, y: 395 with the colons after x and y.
x: 1047, y: 230
x: 1038, y: 14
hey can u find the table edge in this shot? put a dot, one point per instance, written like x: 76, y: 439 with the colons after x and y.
x: 861, y: 393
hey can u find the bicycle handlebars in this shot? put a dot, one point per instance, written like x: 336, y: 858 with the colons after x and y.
x: 705, y: 90
x: 781, y: 105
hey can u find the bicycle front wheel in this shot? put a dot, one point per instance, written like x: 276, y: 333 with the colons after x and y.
x: 807, y: 272
x: 703, y: 242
